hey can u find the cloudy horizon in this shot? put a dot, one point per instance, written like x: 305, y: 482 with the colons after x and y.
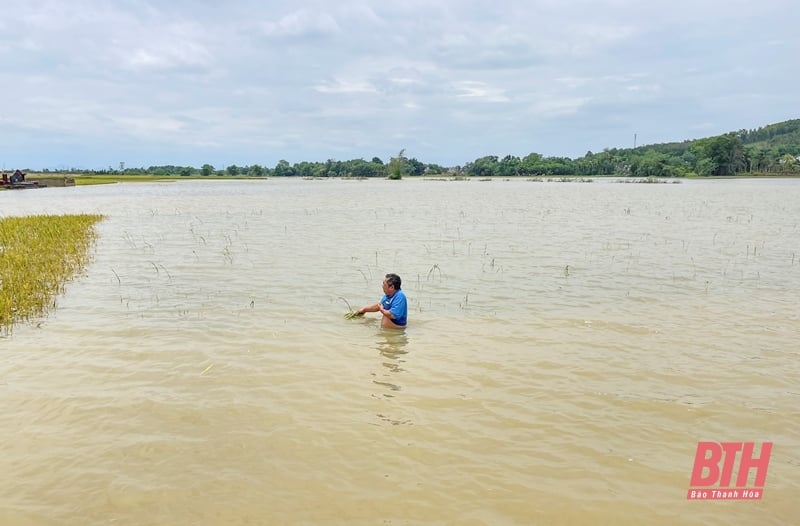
x: 90, y: 84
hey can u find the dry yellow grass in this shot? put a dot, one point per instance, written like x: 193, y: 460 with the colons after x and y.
x: 38, y: 255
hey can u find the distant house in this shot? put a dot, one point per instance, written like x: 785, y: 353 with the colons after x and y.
x: 17, y: 177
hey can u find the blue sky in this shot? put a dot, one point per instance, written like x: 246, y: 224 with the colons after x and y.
x: 90, y: 84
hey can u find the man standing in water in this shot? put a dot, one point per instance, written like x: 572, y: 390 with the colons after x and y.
x: 393, y: 304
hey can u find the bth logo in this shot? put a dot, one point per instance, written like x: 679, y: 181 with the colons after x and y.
x: 713, y: 471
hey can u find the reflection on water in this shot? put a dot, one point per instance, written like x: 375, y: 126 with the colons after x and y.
x: 568, y: 346
x: 391, y: 345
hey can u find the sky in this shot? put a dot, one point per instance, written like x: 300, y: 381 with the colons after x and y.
x: 91, y: 84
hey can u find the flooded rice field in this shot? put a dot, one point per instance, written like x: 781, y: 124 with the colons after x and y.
x: 568, y: 347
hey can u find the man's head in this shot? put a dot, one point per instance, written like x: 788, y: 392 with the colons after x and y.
x: 391, y: 284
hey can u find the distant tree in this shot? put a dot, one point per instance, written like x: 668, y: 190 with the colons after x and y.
x: 415, y: 167
x: 232, y: 170
x: 379, y: 169
x: 257, y: 170
x: 306, y: 169
x: 397, y: 165
x: 651, y: 163
x: 207, y: 170
x: 186, y: 171
x: 532, y: 164
x: 755, y: 158
x: 483, y: 166
x: 706, y: 166
x: 509, y: 166
x: 362, y: 168
x: 434, y: 169
x: 723, y: 155
x: 283, y: 169
x: 788, y: 163
x: 334, y: 168
x: 558, y: 166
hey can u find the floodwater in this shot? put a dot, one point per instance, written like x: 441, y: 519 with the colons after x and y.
x: 568, y: 346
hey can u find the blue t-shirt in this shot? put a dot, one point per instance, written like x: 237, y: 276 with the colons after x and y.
x: 397, y: 305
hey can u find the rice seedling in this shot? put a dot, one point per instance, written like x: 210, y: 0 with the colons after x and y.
x: 38, y: 255
x: 351, y: 313
x: 432, y: 272
x: 648, y: 180
x: 570, y: 180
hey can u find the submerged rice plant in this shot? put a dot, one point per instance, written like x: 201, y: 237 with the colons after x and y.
x: 38, y: 255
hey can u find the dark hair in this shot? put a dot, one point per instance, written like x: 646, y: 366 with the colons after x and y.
x: 393, y: 280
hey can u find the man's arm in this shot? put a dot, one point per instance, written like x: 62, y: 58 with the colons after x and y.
x: 369, y: 308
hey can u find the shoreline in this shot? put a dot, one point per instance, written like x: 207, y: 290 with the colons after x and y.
x: 75, y: 179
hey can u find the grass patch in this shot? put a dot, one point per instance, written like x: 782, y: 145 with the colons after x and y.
x: 38, y: 255
x: 648, y: 180
x: 83, y: 180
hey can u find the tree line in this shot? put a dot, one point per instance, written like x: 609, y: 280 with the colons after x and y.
x: 773, y: 149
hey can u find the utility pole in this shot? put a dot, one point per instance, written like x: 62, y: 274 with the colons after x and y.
x: 634, y: 141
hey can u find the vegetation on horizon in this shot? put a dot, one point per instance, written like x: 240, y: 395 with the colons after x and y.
x: 772, y: 149
x: 38, y: 255
x: 397, y: 165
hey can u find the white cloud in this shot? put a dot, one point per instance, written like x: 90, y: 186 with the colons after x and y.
x: 302, y: 23
x: 469, y: 89
x: 345, y: 86
x: 558, y: 106
x: 168, y: 55
x: 151, y: 125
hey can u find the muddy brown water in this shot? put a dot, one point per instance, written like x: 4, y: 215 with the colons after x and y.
x: 568, y: 346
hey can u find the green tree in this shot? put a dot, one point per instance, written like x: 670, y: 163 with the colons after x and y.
x: 485, y: 166
x: 509, y: 166
x: 232, y: 170
x: 336, y: 169
x: 558, y: 166
x: 706, y: 166
x: 723, y: 154
x: 415, y: 167
x: 788, y: 163
x: 305, y: 169
x: 434, y: 169
x: 283, y: 169
x: 397, y: 166
x: 207, y: 170
x: 531, y: 164
x: 651, y: 163
x: 362, y: 168
x: 379, y: 169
